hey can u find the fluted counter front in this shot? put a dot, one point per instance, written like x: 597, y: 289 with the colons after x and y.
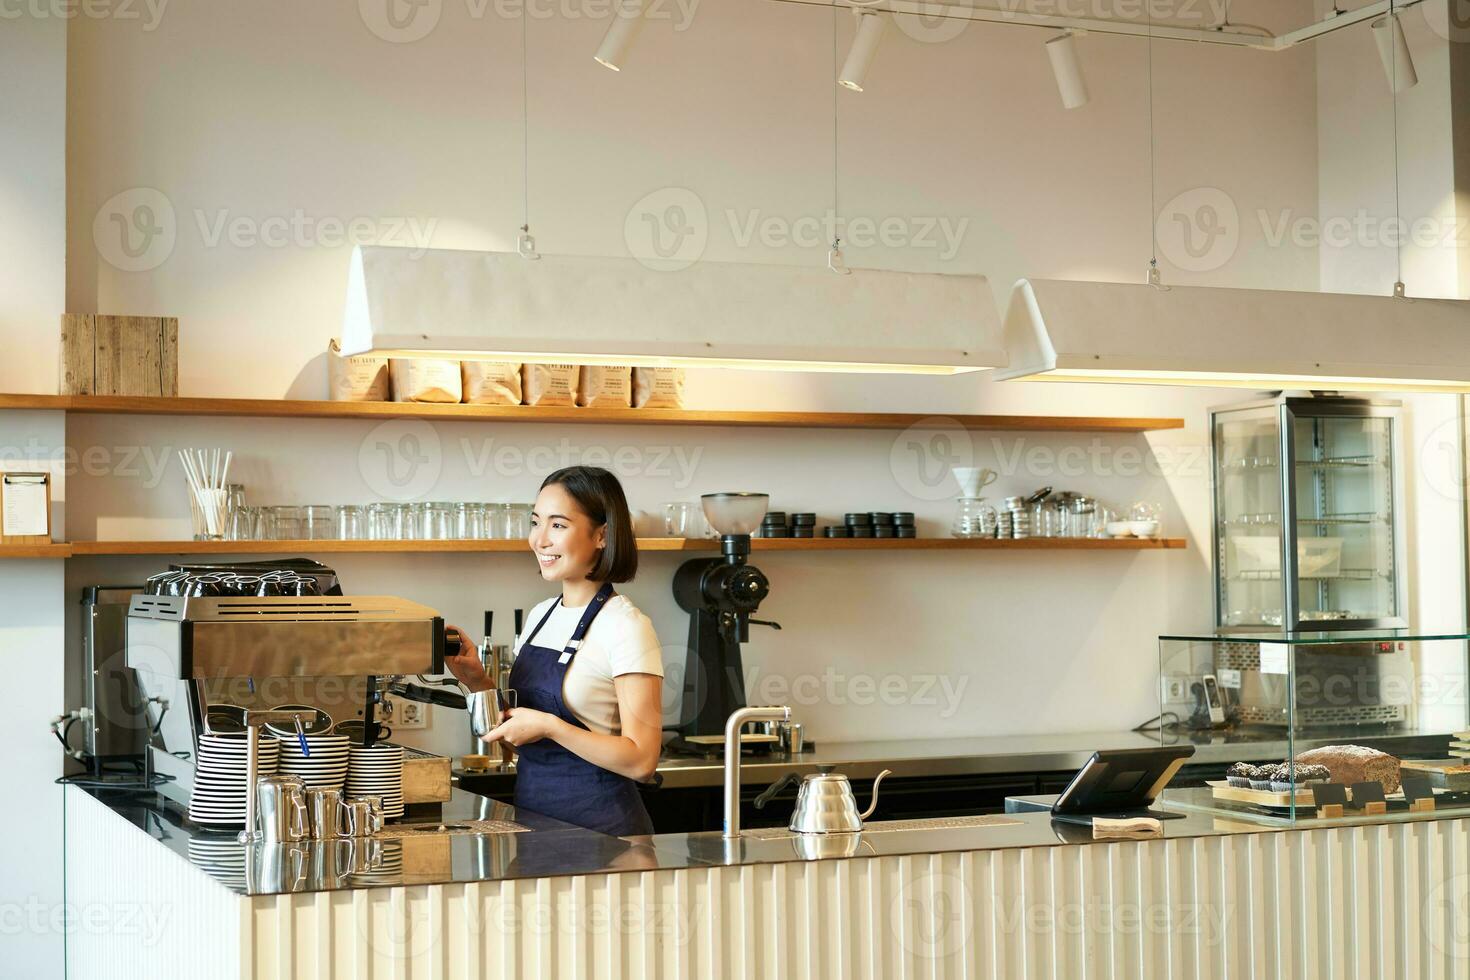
x: 1011, y: 897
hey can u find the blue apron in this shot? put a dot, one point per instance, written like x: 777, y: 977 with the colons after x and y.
x: 553, y: 780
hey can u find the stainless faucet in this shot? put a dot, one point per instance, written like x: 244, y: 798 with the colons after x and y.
x: 738, y: 720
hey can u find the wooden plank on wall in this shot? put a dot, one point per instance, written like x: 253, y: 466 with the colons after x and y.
x: 119, y: 355
x: 78, y: 353
x: 168, y: 367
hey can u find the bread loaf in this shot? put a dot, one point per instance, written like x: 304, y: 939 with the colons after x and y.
x: 1354, y: 764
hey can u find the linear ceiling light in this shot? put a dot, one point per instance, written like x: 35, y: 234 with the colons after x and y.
x: 616, y: 311
x: 627, y: 21
x: 864, y: 43
x: 1071, y: 85
x: 1393, y: 50
x: 1059, y: 330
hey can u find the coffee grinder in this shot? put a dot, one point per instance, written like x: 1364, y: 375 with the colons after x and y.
x: 720, y: 595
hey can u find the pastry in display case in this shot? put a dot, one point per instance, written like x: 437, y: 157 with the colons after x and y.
x: 1307, y: 526
x: 1326, y: 724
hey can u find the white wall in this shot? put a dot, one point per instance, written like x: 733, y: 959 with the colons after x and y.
x: 275, y: 114
x: 1381, y: 157
x: 32, y: 253
x: 737, y: 109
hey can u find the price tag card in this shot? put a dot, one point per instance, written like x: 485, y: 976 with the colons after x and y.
x: 1329, y: 794
x: 1274, y: 658
x: 1417, y: 788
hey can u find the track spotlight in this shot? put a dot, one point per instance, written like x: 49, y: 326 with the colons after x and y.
x: 1062, y: 50
x: 1393, y: 49
x: 627, y: 21
x: 869, y: 32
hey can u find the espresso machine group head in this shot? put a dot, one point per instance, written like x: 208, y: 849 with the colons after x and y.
x: 720, y: 595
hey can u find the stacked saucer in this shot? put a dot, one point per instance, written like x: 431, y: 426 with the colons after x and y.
x: 220, y: 772
x: 377, y: 771
x: 223, y: 858
x: 325, y: 766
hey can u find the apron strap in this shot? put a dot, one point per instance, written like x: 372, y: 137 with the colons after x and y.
x: 532, y: 635
x: 593, y: 608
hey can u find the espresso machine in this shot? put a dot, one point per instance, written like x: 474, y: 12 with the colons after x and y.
x: 195, y: 655
x: 721, y: 595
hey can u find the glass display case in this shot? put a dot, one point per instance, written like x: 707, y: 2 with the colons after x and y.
x: 1307, y: 528
x: 1386, y: 707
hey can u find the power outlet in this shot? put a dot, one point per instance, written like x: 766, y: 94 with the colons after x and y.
x: 410, y: 714
x: 1175, y: 689
x: 404, y: 714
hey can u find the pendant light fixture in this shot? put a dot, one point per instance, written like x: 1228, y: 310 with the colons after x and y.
x: 870, y: 27
x: 1157, y: 334
x: 1065, y: 66
x: 580, y: 309
x: 627, y: 22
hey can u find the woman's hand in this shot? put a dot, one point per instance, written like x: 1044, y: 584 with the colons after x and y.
x: 522, y: 726
x: 462, y: 661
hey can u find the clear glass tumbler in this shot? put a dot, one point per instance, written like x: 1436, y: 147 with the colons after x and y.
x: 497, y: 521
x: 437, y: 521
x: 518, y: 523
x: 318, y: 522
x: 351, y: 523
x: 469, y: 521
x: 286, y: 523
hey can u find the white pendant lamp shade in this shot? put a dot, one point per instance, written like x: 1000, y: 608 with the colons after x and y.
x: 869, y: 32
x: 1393, y: 49
x: 1071, y: 85
x: 1253, y: 338
x: 404, y: 302
x: 627, y: 21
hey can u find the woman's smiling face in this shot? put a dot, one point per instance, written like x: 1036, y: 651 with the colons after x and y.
x: 564, y: 539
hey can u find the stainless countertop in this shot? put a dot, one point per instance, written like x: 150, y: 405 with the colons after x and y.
x: 1001, y: 754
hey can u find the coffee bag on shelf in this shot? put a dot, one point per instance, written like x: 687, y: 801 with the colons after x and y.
x: 491, y: 382
x: 425, y: 380
x: 361, y: 378
x: 550, y: 384
x: 658, y: 387
x: 605, y: 387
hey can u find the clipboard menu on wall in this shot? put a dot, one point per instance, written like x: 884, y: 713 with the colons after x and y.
x: 25, y: 508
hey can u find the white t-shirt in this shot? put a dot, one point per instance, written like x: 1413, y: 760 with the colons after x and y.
x: 620, y: 641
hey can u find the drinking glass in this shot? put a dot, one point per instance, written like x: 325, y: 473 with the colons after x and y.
x: 683, y: 520
x: 244, y: 524
x: 519, y: 521
x: 437, y: 521
x: 413, y: 517
x: 318, y: 522
x: 469, y: 521
x: 286, y: 523
x: 351, y: 525
x: 497, y: 521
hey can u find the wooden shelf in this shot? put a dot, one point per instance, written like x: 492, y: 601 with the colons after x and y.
x: 121, y: 548
x: 276, y: 408
x: 56, y: 549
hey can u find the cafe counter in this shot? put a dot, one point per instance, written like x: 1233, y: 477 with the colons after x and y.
x: 481, y: 890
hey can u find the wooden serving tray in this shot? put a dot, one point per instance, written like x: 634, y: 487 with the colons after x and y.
x: 1259, y: 797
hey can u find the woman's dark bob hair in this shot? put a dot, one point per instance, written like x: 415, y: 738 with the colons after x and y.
x: 600, y: 496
